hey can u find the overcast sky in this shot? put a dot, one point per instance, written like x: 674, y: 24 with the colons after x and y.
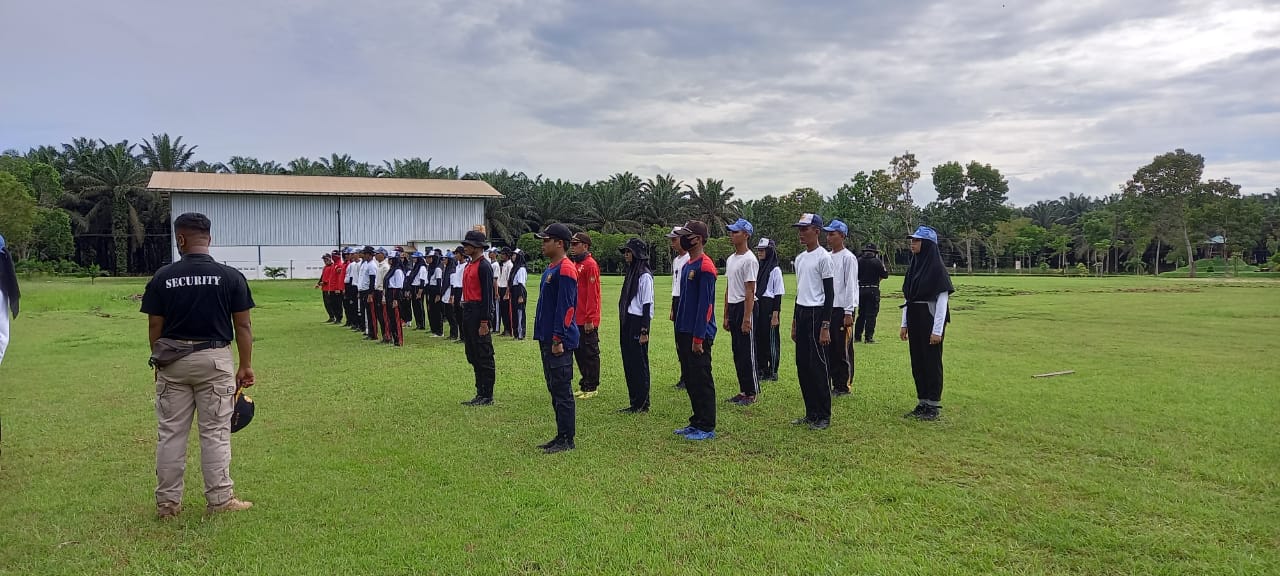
x: 1061, y: 95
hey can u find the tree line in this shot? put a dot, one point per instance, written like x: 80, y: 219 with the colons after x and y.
x: 86, y: 202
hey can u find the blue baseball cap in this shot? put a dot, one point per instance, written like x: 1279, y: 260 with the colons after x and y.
x: 926, y: 233
x: 741, y: 225
x: 807, y: 219
x: 348, y: 250
x: 382, y: 251
x: 837, y: 226
x: 419, y: 255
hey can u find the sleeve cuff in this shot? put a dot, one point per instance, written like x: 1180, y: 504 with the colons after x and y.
x: 697, y: 341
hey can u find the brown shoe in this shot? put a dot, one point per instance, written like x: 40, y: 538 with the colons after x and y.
x: 232, y: 505
x: 168, y: 510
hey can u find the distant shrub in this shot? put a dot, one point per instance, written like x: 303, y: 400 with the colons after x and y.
x: 275, y: 272
x: 1082, y: 270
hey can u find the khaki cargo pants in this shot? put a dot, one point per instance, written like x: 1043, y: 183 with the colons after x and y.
x: 201, y: 384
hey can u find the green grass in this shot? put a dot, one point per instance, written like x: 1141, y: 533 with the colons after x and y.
x: 1159, y: 456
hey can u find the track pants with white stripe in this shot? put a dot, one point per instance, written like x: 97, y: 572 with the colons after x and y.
x: 744, y: 351
x: 811, y: 362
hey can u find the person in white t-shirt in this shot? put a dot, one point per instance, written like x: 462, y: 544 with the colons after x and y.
x: 677, y: 264
x: 811, y: 325
x: 635, y: 307
x: 845, y: 281
x: 769, y: 291
x: 741, y: 270
x: 504, y: 286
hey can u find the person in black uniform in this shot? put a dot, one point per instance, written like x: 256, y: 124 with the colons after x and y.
x: 871, y: 271
x: 477, y: 299
x: 196, y: 302
x: 9, y: 295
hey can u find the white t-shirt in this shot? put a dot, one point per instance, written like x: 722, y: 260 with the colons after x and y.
x: 437, y: 276
x: 845, y: 265
x: 504, y: 274
x: 4, y: 324
x: 775, y: 286
x: 676, y: 266
x: 420, y: 279
x: 456, y: 279
x: 366, y: 270
x: 812, y: 267
x: 644, y: 295
x: 740, y: 269
x: 520, y: 277
x: 395, y: 279
x: 353, y: 272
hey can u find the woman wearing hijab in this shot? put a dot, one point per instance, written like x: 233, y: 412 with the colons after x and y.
x: 927, y: 289
x: 446, y: 290
x: 392, y: 305
x: 769, y: 291
x: 435, y: 283
x: 518, y: 293
x: 418, y: 290
x: 635, y: 308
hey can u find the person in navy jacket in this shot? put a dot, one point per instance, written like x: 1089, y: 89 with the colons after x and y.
x: 696, y: 331
x: 557, y: 333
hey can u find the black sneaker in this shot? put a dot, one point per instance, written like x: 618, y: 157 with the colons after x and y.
x: 680, y: 385
x: 483, y: 402
x: 838, y: 393
x: 801, y: 421
x: 820, y: 424
x: 930, y: 414
x: 548, y: 443
x: 871, y: 341
x: 736, y: 399
x: 471, y: 402
x: 920, y: 408
x: 557, y: 447
x: 628, y: 410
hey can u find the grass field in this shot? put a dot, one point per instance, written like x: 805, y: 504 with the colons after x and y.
x: 1159, y: 456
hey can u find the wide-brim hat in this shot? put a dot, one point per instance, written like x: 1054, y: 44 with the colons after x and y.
x: 637, y: 247
x: 475, y: 239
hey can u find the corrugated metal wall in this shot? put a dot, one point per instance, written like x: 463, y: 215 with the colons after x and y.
x: 266, y: 220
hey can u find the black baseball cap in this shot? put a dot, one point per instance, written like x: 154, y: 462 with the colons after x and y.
x: 870, y: 248
x: 557, y: 231
x: 367, y: 250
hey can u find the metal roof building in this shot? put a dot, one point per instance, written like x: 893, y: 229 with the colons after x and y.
x: 262, y: 221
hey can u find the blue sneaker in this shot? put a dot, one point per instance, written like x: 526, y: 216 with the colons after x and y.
x: 700, y: 435
x: 687, y: 430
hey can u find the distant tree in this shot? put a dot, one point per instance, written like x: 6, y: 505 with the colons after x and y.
x: 663, y: 201
x: 905, y: 176
x: 167, y: 155
x: 1171, y: 182
x: 711, y: 202
x: 19, y: 214
x: 303, y: 166
x: 610, y: 206
x: 250, y: 165
x: 970, y: 201
x: 108, y: 183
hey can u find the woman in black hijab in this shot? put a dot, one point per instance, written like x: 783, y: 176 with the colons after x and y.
x: 769, y: 292
x: 418, y: 290
x: 518, y: 292
x: 927, y: 289
x: 635, y: 308
x: 435, y: 283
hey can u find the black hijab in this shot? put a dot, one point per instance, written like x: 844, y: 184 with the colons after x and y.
x: 639, y: 267
x: 766, y: 268
x: 926, y: 275
x: 419, y: 262
x: 518, y: 263
x: 8, y: 280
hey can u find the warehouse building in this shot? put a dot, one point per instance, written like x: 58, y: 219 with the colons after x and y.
x: 282, y: 224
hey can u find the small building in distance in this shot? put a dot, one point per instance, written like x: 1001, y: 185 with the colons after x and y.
x: 262, y: 221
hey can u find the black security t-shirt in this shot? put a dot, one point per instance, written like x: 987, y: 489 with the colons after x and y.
x: 197, y: 296
x: 870, y: 271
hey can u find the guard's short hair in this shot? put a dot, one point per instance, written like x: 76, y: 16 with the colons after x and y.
x: 192, y: 222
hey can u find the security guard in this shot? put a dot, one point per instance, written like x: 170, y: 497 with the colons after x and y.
x: 196, y: 301
x: 477, y: 317
x: 871, y: 271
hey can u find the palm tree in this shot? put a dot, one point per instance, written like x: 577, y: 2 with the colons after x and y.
x: 304, y: 166
x: 336, y: 165
x: 663, y: 200
x: 1076, y: 205
x: 506, y: 217
x: 109, y: 183
x: 1045, y: 213
x: 250, y: 165
x: 610, y: 205
x: 419, y: 168
x: 713, y: 204
x: 552, y: 201
x: 207, y: 168
x: 167, y: 155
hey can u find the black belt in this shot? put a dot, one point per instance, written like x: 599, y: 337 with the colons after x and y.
x: 198, y: 345
x: 876, y: 286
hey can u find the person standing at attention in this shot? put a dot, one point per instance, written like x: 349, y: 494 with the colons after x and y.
x: 769, y: 291
x: 587, y: 315
x: 9, y: 295
x: 368, y: 280
x: 418, y: 277
x: 677, y: 266
x: 557, y: 333
x: 394, y: 307
x: 811, y: 324
x: 380, y: 291
x: 504, y: 287
x: 635, y: 308
x: 477, y: 317
x: 455, y: 291
x: 927, y: 289
x: 696, y: 331
x: 741, y: 270
x: 326, y: 272
x: 198, y: 301
x: 351, y: 276
x: 845, y: 281
x: 871, y: 271
x: 518, y: 294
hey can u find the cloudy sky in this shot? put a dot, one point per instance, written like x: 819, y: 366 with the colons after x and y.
x: 1061, y: 95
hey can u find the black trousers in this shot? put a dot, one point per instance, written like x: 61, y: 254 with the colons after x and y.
x: 518, y: 320
x: 765, y: 363
x: 635, y: 361
x: 351, y: 302
x: 840, y: 353
x: 868, y: 309
x: 451, y: 315
x: 588, y: 355
x: 926, y: 359
x: 811, y: 362
x: 419, y: 308
x: 435, y: 312
x: 370, y: 301
x: 392, y: 309
x: 504, y: 312
x: 479, y: 348
x: 327, y: 298
x: 695, y: 371
x: 380, y: 312
x: 558, y: 372
x: 744, y: 350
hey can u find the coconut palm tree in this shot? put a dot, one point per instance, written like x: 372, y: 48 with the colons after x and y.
x: 663, y: 200
x: 712, y: 203
x: 507, y: 216
x: 108, y: 184
x: 167, y: 155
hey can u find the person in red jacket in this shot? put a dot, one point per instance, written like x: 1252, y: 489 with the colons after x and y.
x: 323, y: 285
x: 337, y: 285
x: 587, y: 315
